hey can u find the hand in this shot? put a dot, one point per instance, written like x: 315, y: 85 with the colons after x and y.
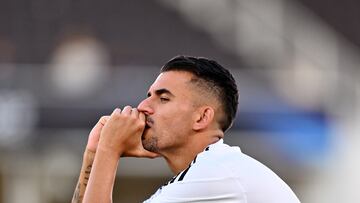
x: 94, y: 134
x: 121, y: 135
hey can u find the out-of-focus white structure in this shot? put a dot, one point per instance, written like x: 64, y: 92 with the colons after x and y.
x: 78, y: 67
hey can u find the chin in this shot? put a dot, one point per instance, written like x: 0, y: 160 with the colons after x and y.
x: 150, y: 143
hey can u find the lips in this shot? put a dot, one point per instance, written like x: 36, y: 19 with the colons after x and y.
x: 148, y: 123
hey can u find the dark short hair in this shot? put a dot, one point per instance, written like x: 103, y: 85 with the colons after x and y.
x: 215, y: 78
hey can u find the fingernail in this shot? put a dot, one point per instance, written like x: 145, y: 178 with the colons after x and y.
x: 117, y: 110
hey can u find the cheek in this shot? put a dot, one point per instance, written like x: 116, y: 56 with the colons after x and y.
x: 173, y: 117
x: 178, y: 120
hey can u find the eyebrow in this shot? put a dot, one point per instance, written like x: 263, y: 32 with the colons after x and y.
x: 161, y: 91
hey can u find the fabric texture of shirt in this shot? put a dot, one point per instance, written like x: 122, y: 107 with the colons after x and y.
x: 224, y: 174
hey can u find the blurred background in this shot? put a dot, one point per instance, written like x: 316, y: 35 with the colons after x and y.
x: 65, y: 63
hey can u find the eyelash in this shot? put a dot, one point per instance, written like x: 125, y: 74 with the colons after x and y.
x: 164, y: 99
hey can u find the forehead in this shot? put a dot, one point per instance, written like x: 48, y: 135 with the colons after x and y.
x: 173, y: 81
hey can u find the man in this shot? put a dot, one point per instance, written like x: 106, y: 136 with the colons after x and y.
x: 189, y: 107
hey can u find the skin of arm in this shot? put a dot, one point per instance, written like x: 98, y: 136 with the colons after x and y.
x: 120, y: 136
x: 88, y: 159
x: 103, y: 175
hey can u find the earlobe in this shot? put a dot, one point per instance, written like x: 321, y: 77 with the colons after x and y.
x: 204, y: 118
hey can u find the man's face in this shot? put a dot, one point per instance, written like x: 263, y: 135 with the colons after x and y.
x: 169, y: 110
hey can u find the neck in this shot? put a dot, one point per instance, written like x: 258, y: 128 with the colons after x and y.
x: 180, y: 158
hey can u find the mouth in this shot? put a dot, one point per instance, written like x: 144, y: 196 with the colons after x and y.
x: 148, y: 125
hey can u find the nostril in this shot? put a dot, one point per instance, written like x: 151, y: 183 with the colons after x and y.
x: 145, y: 110
x: 145, y: 106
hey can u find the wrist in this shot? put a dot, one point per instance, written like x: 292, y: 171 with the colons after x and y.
x: 109, y: 152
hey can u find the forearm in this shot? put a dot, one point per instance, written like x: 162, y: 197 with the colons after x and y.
x: 121, y: 135
x: 86, y: 167
x: 102, y: 178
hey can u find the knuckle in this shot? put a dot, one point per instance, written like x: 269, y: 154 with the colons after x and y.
x: 103, y: 118
x: 115, y: 116
x: 132, y: 119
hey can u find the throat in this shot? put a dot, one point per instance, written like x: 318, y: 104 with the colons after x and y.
x: 178, y: 165
x: 180, y: 160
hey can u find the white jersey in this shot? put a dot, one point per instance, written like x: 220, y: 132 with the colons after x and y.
x: 224, y: 174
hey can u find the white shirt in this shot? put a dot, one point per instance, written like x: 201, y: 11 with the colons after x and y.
x: 224, y: 174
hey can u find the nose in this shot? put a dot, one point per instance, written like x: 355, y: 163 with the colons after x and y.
x: 145, y: 107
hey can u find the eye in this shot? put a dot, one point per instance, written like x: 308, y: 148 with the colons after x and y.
x: 163, y: 99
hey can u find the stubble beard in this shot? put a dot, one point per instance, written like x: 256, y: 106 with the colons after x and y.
x: 151, y: 144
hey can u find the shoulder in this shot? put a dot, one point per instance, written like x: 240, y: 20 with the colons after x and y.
x: 222, y: 173
x: 251, y: 175
x: 204, y: 180
x: 227, y: 170
x: 218, y: 161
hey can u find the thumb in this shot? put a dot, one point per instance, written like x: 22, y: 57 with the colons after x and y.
x: 142, y: 116
x: 149, y: 154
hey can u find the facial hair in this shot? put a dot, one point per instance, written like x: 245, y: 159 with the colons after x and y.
x: 150, y: 143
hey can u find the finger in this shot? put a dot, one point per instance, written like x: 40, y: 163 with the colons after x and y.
x: 103, y: 120
x: 134, y: 113
x: 116, y: 111
x: 126, y: 110
x: 149, y: 154
x: 142, y: 116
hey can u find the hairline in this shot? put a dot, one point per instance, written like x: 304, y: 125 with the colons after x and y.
x: 194, y: 81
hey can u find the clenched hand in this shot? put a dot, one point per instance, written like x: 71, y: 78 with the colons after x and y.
x: 121, y: 134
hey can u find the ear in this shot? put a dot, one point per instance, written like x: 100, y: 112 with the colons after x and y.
x: 204, y: 116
